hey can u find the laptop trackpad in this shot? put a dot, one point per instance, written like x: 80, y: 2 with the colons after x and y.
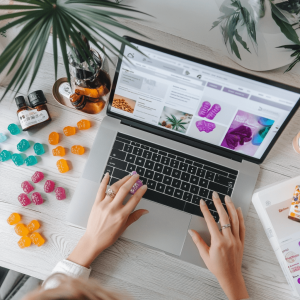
x: 164, y: 228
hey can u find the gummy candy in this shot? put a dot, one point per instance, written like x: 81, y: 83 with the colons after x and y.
x: 37, y: 177
x: 216, y: 108
x: 27, y: 187
x: 36, y: 198
x: 13, y: 129
x: 38, y: 149
x: 23, y: 145
x: 17, y: 159
x: 205, y: 126
x: 13, y: 219
x: 49, y: 186
x: 23, y: 199
x: 24, y: 242
x: 3, y: 138
x: 37, y: 239
x: 31, y: 160
x: 62, y: 166
x: 53, y: 138
x: 21, y: 229
x: 59, y: 151
x: 5, y: 155
x: 60, y: 193
x: 239, y: 135
x: 83, y: 124
x: 69, y: 130
x: 136, y: 186
x: 204, y: 109
x: 77, y: 149
x: 33, y: 226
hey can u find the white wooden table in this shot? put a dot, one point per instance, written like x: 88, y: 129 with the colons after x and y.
x: 142, y: 272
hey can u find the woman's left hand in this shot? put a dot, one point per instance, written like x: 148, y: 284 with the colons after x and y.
x: 108, y: 219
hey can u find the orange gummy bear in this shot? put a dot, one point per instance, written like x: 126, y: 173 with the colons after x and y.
x: 21, y: 229
x: 37, y: 239
x: 83, y: 124
x: 59, y: 151
x: 62, y: 166
x: 13, y: 219
x: 33, y: 226
x: 24, y: 242
x: 69, y: 130
x: 53, y: 138
x: 77, y: 149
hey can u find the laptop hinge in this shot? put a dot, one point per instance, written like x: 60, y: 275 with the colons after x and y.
x: 184, y: 140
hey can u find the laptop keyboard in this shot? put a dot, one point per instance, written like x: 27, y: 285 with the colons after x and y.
x: 173, y: 178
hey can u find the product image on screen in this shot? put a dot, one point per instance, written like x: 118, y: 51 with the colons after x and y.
x: 200, y: 102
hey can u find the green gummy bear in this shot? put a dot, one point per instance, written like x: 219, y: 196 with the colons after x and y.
x: 31, y: 160
x: 5, y: 155
x: 38, y: 149
x: 17, y: 159
x: 23, y: 145
x: 13, y: 129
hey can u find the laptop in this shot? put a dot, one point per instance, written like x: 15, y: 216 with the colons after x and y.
x: 188, y: 127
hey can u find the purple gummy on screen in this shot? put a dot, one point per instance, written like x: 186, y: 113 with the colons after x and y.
x: 60, y: 193
x: 49, y: 186
x: 36, y: 198
x: 37, y: 177
x: 204, y: 109
x: 205, y: 126
x: 298, y: 280
x: 213, y: 111
x: 27, y: 187
x: 137, y: 185
x: 23, y: 199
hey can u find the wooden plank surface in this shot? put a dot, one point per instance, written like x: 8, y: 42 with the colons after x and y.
x: 142, y: 272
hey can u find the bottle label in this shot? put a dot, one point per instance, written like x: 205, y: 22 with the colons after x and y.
x: 32, y: 117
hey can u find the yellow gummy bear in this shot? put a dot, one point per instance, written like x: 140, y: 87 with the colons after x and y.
x: 69, y: 130
x: 83, y: 124
x: 21, y: 229
x: 37, y: 239
x: 24, y: 242
x: 53, y: 138
x: 77, y: 149
x: 59, y: 151
x: 13, y: 219
x: 62, y: 166
x: 33, y: 225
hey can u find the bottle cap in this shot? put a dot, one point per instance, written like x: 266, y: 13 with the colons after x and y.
x: 37, y: 98
x: 20, y: 101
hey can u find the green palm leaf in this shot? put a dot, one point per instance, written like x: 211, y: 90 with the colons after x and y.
x: 69, y: 20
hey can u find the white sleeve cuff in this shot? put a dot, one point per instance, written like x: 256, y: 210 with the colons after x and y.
x: 68, y: 268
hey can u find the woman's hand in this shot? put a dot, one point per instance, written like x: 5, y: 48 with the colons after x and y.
x: 108, y: 219
x: 224, y: 257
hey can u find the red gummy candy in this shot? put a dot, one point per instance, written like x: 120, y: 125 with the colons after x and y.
x: 36, y: 198
x: 27, y: 187
x: 37, y: 177
x: 24, y: 200
x: 60, y: 193
x: 49, y: 186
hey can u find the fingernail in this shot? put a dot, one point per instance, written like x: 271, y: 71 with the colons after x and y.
x: 191, y: 232
x: 240, y: 210
x: 106, y: 174
x: 227, y: 199
x: 144, y: 187
x: 216, y: 195
x: 202, y: 202
x: 145, y: 212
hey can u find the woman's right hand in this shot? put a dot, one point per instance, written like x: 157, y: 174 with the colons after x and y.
x: 224, y: 256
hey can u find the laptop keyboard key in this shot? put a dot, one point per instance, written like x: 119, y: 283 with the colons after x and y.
x: 156, y: 157
x: 218, y: 187
x: 183, y: 167
x: 158, y: 177
x: 160, y: 187
x: 158, y: 167
x: 196, y: 199
x: 140, y: 171
x: 187, y: 196
x: 176, y: 174
x: 130, y: 168
x: 185, y: 186
x: 200, y: 172
x: 185, y: 176
x: 113, y: 180
x: 118, y: 145
x: 232, y: 176
x: 137, y: 151
x: 117, y: 173
x: 151, y: 184
x: 149, y: 164
x: 203, y: 182
x: 108, y: 170
x: 149, y: 174
x: 167, y: 170
x: 229, y: 192
x: 140, y: 161
x: 224, y: 180
x: 167, y: 180
x: 193, y: 209
x: 118, y: 154
x: 203, y: 193
x: 192, y: 169
x: 128, y: 148
x: 169, y: 190
x: 210, y: 205
x: 147, y: 154
x: 174, y: 163
x: 194, y: 179
x: 210, y: 175
x: 194, y: 189
x: 176, y: 183
x: 215, y: 216
x: 130, y: 158
x: 113, y: 162
x: 178, y: 193
x: 165, y: 160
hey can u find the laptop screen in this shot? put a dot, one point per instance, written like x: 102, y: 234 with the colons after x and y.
x: 200, y: 102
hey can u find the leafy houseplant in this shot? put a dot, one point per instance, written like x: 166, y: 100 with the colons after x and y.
x: 176, y: 123
x: 68, y: 20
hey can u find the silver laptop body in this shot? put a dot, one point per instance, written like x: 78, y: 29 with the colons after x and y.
x: 164, y: 228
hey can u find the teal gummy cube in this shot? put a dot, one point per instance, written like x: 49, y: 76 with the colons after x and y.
x: 5, y: 155
x: 3, y: 138
x: 23, y: 145
x: 31, y: 160
x: 38, y: 149
x: 17, y: 159
x: 13, y: 129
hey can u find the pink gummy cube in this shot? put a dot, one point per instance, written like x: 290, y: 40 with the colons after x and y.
x: 37, y: 177
x: 36, y: 198
x: 60, y: 193
x: 136, y: 186
x: 204, y: 109
x: 205, y: 126
x: 24, y: 200
x: 27, y: 187
x: 216, y: 108
x: 49, y: 186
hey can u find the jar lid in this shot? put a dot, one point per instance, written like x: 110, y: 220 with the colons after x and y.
x: 37, y: 98
x: 20, y: 101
